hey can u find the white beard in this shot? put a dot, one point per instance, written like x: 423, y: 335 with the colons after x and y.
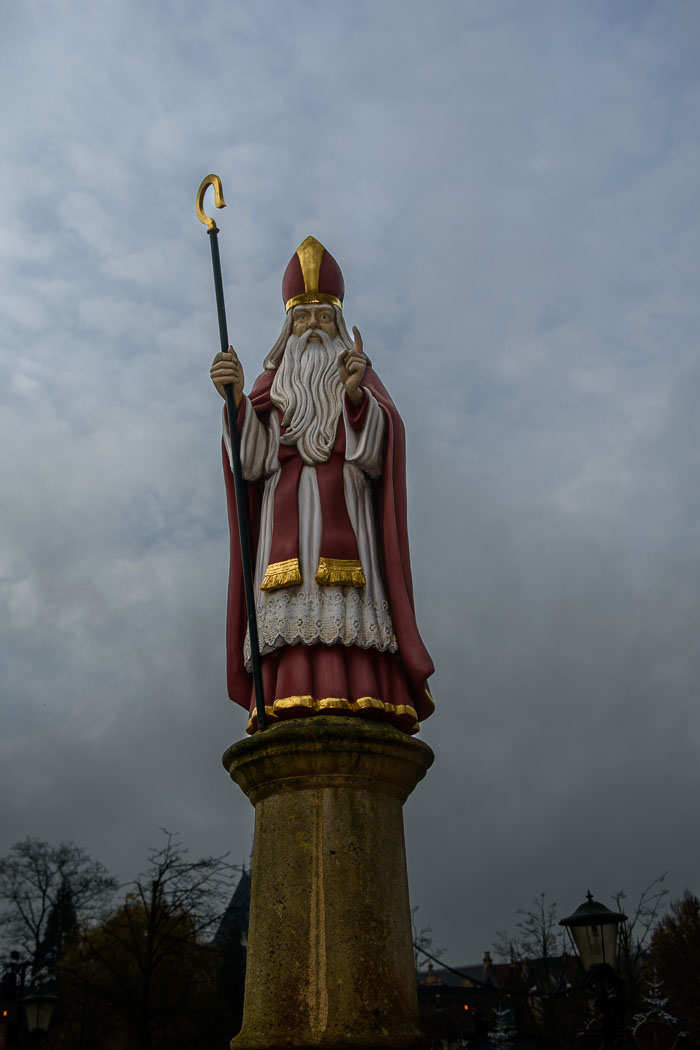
x: 309, y: 393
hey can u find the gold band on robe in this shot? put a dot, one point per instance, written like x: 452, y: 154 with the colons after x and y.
x: 328, y: 704
x: 344, y: 571
x: 281, y: 574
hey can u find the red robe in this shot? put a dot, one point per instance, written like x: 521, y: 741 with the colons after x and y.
x: 336, y: 679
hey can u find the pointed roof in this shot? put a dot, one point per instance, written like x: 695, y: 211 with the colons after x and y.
x: 234, y: 921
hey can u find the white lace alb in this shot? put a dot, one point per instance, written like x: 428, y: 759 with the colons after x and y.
x: 329, y: 615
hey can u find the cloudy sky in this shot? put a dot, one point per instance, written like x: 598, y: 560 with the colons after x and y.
x: 511, y: 190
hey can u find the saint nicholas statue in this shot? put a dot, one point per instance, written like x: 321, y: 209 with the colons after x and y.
x: 323, y: 455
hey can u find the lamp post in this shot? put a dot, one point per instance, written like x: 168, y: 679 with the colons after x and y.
x: 593, y: 931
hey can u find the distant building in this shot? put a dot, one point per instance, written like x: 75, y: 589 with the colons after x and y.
x: 457, y: 1004
x: 233, y: 928
x: 535, y: 998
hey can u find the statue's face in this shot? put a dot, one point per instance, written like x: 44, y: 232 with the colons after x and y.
x: 315, y: 315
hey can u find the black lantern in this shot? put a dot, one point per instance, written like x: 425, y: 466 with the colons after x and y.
x: 38, y: 1010
x: 593, y: 932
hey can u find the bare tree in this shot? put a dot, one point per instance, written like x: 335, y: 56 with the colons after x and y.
x: 146, y: 977
x: 197, y: 888
x: 40, y: 884
x: 540, y: 970
x: 635, y: 939
x: 538, y: 935
x: 423, y: 940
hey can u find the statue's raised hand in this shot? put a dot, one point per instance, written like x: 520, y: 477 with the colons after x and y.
x: 351, y: 368
x: 225, y: 369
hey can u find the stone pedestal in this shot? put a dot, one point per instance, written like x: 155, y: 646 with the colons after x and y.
x: 330, y: 947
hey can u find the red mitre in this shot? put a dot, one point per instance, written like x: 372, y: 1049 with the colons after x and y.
x: 312, y: 276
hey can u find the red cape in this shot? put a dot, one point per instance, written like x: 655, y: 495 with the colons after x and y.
x: 393, y: 536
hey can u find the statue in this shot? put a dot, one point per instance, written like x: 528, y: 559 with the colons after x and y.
x: 322, y: 449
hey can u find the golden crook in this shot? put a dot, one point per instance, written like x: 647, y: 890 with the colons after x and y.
x: 215, y: 181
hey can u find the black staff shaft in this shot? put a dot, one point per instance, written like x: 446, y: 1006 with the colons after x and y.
x: 239, y: 486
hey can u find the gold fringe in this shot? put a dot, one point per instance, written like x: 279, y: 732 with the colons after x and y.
x: 336, y: 703
x: 281, y: 574
x: 344, y: 571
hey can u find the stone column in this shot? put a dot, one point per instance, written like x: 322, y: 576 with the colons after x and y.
x: 330, y: 947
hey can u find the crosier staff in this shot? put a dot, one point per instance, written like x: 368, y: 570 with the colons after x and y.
x: 239, y: 484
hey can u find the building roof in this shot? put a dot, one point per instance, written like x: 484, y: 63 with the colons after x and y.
x: 234, y: 921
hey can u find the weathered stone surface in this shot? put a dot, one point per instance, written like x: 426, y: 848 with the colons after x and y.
x: 330, y: 955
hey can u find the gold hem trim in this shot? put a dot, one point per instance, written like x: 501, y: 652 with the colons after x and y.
x: 336, y: 703
x: 312, y: 297
x: 347, y: 572
x: 281, y: 574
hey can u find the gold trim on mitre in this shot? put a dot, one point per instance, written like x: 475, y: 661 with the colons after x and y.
x: 344, y: 571
x: 281, y: 574
x: 310, y: 253
x: 312, y: 297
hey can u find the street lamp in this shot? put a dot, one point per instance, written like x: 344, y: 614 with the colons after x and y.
x: 38, y: 1010
x: 593, y: 930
